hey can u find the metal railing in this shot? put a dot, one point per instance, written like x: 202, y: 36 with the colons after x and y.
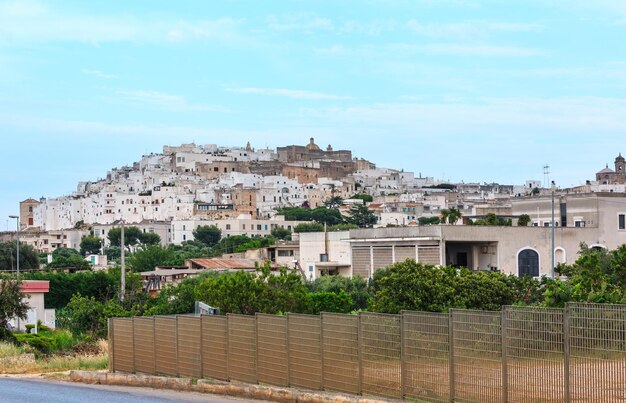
x: 520, y: 354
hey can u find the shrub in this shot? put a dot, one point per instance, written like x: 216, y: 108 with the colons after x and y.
x: 43, y: 344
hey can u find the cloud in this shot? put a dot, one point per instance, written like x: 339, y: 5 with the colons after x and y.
x: 99, y: 74
x: 169, y: 102
x: 498, y: 116
x: 459, y: 49
x: 303, y: 22
x: 469, y: 29
x: 295, y: 94
x: 32, y: 22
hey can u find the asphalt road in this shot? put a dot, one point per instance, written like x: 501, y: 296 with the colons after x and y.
x: 36, y: 391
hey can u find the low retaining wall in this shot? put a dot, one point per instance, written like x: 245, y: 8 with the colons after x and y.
x: 248, y: 391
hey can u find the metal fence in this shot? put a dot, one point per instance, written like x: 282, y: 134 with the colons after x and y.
x: 576, y: 354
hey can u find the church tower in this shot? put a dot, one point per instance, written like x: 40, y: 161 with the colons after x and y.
x: 620, y: 164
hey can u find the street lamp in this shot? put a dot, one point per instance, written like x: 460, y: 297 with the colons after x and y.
x: 17, y: 243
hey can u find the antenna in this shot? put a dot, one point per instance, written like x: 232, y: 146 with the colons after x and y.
x: 546, y: 175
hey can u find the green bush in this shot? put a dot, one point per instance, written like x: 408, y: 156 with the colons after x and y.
x: 43, y: 344
x: 340, y: 302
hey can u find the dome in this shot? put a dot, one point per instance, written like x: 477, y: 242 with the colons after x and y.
x: 620, y: 158
x: 312, y: 146
x: 606, y: 170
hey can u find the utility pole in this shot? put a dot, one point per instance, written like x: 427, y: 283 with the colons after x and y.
x: 17, y: 254
x: 552, y: 251
x: 122, y: 263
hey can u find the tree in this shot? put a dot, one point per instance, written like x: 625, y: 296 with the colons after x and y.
x: 281, y: 233
x: 248, y: 293
x: 492, y: 219
x: 150, y: 256
x: 415, y: 286
x: 363, y: 196
x: 523, y: 220
x: 362, y: 217
x: 28, y: 257
x: 597, y: 276
x: 150, y: 238
x: 90, y: 245
x: 132, y: 236
x: 454, y: 215
x: 309, y: 227
x: 12, y: 303
x: 71, y: 262
x: 208, y: 234
x: 334, y: 202
x: 65, y: 253
x: 428, y: 220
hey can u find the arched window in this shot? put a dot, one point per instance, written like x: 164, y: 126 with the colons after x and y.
x: 528, y: 263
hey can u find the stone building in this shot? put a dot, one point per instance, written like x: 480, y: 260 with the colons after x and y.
x: 312, y: 152
x: 607, y: 176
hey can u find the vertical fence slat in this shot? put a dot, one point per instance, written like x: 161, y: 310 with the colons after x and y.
x: 123, y: 344
x: 341, y: 356
x: 215, y: 347
x: 534, y: 354
x: 305, y: 351
x: 166, y: 346
x: 477, y: 355
x: 272, y: 350
x: 426, y: 348
x: 380, y: 355
x: 189, y: 346
x: 597, y: 347
x: 242, y: 363
x: 143, y: 342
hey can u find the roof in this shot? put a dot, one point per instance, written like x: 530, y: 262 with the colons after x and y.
x: 221, y: 264
x: 170, y: 272
x: 606, y: 170
x: 33, y: 286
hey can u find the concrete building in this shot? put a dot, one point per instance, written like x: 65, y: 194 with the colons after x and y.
x: 182, y: 230
x: 512, y: 250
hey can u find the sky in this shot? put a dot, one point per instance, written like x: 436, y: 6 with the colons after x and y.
x: 465, y: 90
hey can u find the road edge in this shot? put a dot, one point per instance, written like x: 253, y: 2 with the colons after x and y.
x: 235, y: 389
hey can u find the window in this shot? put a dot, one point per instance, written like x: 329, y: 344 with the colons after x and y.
x: 323, y: 257
x: 258, y: 227
x: 227, y: 226
x: 579, y: 224
x: 528, y: 263
x: 621, y: 221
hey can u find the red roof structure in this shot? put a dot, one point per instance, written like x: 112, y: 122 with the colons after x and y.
x: 33, y: 286
x: 225, y: 264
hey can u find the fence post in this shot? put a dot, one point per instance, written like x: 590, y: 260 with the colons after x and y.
x: 359, y: 344
x: 402, y: 358
x: 451, y: 354
x: 505, y: 377
x: 256, y: 346
x: 566, y: 353
x: 132, y: 326
x: 176, y: 344
x: 201, y: 347
x: 154, y: 345
x: 227, y: 348
x: 288, y: 353
x: 111, y: 346
x: 322, y: 346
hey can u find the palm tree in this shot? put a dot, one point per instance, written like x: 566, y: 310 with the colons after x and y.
x: 454, y: 215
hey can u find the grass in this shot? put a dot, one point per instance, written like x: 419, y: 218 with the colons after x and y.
x: 53, y: 363
x: 10, y: 350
